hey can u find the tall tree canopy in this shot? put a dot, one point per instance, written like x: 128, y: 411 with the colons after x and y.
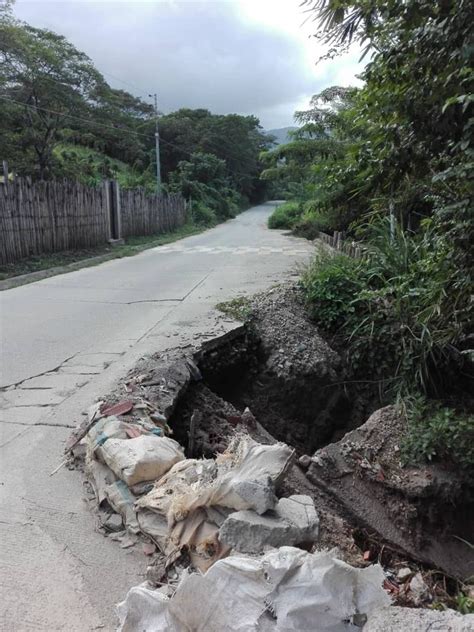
x: 59, y: 117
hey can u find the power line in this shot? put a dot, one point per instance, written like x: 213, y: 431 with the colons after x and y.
x: 120, y: 129
x: 77, y: 118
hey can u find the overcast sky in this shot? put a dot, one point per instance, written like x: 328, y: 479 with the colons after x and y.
x: 244, y: 56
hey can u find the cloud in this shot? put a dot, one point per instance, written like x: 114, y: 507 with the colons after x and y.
x: 193, y: 54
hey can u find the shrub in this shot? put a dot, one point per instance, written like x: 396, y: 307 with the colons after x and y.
x: 397, y: 321
x: 285, y: 216
x: 437, y: 433
x: 202, y: 215
x: 330, y: 284
x: 312, y: 221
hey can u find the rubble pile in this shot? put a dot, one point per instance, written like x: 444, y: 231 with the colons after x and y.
x: 183, y: 466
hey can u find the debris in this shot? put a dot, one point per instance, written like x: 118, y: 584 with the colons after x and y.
x: 127, y: 541
x: 93, y: 415
x: 286, y: 589
x: 56, y: 469
x: 100, y: 477
x: 143, y: 458
x: 113, y: 523
x: 245, y: 460
x: 248, y: 418
x: 195, y: 419
x: 305, y: 461
x: 396, y: 619
x: 419, y: 591
x: 117, y: 409
x: 149, y: 548
x: 404, y: 573
x: 122, y: 501
x: 293, y: 521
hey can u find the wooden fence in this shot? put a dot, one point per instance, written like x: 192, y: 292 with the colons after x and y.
x: 336, y: 241
x: 44, y: 217
x: 141, y: 215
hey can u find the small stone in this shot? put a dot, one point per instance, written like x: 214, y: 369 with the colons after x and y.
x: 260, y: 494
x: 149, y: 548
x: 305, y: 461
x: 114, y: 522
x: 419, y: 591
x: 404, y: 573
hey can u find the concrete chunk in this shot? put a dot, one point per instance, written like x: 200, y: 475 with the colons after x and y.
x: 259, y: 494
x: 293, y: 521
x: 397, y: 619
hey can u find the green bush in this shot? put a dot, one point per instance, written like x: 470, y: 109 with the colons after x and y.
x: 312, y: 221
x: 437, y: 433
x: 202, y: 215
x: 285, y: 216
x: 330, y: 284
x: 394, y: 316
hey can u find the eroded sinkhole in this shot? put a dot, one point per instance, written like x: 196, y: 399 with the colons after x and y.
x: 305, y: 409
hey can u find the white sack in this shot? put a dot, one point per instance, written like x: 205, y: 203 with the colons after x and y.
x: 286, y: 590
x: 142, y: 458
x: 243, y: 469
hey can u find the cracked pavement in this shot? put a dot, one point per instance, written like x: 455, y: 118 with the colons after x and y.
x: 65, y: 341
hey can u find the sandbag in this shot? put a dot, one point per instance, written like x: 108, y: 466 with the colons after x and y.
x: 122, y: 501
x: 286, y: 590
x: 142, y: 458
x: 245, y: 476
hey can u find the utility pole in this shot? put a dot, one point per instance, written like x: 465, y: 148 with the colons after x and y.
x: 157, y: 145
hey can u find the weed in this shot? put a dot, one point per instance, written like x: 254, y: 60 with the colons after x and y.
x: 238, y: 308
x: 285, y: 215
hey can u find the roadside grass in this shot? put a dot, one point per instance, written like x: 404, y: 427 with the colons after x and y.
x: 238, y: 308
x: 93, y: 256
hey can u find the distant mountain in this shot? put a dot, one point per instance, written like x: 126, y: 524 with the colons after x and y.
x: 281, y: 134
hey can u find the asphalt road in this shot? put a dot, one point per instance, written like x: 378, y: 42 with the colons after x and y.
x: 65, y: 341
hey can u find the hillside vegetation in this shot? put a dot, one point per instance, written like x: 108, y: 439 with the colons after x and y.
x: 391, y: 165
x: 60, y: 118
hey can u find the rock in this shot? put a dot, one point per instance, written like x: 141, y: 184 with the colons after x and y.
x: 397, y: 619
x: 305, y: 461
x: 260, y: 494
x: 404, y: 573
x: 419, y: 591
x: 293, y: 521
x: 114, y: 522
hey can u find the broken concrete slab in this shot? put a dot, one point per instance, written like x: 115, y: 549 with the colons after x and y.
x: 260, y: 494
x: 397, y: 619
x: 425, y: 511
x: 293, y: 521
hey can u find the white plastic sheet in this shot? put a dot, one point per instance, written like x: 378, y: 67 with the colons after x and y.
x: 286, y: 590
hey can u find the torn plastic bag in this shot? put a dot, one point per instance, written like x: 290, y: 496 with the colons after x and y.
x: 246, y: 474
x: 190, y: 474
x: 197, y: 534
x: 122, y: 501
x: 100, y: 477
x: 105, y: 429
x: 286, y: 590
x: 142, y: 458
